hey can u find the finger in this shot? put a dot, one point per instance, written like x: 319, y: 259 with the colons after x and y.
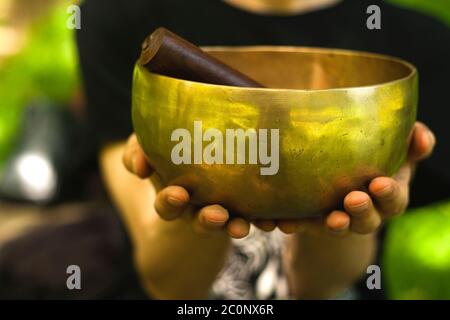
x: 171, y: 202
x: 134, y: 158
x: 338, y: 221
x: 238, y: 228
x: 288, y: 226
x: 211, y: 218
x: 364, y: 217
x: 265, y: 225
x: 423, y: 142
x: 391, y: 196
x: 403, y: 175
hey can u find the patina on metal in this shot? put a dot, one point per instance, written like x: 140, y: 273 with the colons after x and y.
x: 344, y: 117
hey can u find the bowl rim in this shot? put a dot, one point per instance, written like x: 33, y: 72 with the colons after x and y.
x: 411, y: 74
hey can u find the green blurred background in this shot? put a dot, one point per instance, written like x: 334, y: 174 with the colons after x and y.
x: 437, y: 8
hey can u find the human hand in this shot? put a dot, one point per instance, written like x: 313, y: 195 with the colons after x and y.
x: 364, y: 212
x: 172, y: 202
x: 387, y: 197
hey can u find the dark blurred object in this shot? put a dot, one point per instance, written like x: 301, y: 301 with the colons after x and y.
x: 33, y: 263
x: 44, y: 157
x: 423, y: 192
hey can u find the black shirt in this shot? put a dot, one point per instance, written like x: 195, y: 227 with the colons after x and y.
x: 113, y: 30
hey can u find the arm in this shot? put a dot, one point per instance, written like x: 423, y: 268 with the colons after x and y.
x: 319, y: 263
x: 172, y: 259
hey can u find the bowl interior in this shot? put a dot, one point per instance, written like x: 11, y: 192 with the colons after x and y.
x: 313, y: 68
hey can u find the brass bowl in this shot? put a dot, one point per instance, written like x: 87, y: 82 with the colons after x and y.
x: 344, y: 117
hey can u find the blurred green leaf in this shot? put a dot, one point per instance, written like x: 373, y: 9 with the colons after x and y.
x: 416, y: 254
x: 46, y: 68
x: 437, y: 8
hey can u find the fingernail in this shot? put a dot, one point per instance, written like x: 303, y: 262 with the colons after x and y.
x: 174, y: 202
x: 385, y: 191
x: 217, y: 217
x: 360, y: 207
x: 340, y: 227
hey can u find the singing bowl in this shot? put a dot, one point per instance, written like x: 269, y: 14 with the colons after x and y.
x: 344, y: 118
